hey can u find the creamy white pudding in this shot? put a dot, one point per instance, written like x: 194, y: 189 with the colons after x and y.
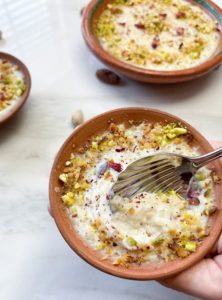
x: 12, y: 86
x: 158, y: 34
x: 151, y: 227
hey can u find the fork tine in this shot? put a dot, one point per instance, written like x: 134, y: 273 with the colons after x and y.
x: 144, y: 174
x: 145, y: 188
x: 135, y: 190
x: 153, y: 187
x: 145, y: 165
x: 149, y: 174
x: 146, y: 185
x: 172, y: 185
x: 123, y: 185
x: 155, y: 178
x: 132, y: 185
x: 136, y: 171
x: 164, y: 183
x: 131, y: 193
x: 154, y: 169
x: 179, y: 189
x: 176, y: 186
x: 147, y: 160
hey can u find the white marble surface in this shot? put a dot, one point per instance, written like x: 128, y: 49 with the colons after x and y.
x: 35, y: 262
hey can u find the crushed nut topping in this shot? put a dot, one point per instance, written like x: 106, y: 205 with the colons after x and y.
x: 149, y: 33
x: 151, y: 227
x: 12, y: 84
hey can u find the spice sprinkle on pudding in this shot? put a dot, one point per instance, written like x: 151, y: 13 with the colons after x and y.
x: 12, y: 85
x: 151, y: 227
x: 162, y: 35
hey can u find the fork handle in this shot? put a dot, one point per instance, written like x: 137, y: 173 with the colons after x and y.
x: 205, y: 159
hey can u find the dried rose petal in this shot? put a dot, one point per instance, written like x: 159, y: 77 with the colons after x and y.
x: 115, y: 166
x: 120, y: 150
x: 163, y: 15
x: 140, y: 26
x: 194, y: 201
x: 173, y: 246
x: 180, y: 31
x: 194, y: 194
x: 180, y: 14
x: 218, y: 27
x: 108, y: 197
x: 155, y: 42
x: 97, y: 197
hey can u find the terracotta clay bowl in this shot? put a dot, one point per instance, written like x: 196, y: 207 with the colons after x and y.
x: 77, y: 139
x: 90, y: 18
x: 27, y: 79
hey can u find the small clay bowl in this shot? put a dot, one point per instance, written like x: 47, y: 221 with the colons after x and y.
x: 90, y: 18
x: 11, y: 111
x: 77, y: 139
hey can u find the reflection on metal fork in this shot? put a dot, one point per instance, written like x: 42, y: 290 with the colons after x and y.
x: 161, y: 172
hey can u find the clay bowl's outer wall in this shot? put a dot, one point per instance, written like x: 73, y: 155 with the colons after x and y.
x: 78, y: 138
x: 90, y: 17
x: 27, y: 80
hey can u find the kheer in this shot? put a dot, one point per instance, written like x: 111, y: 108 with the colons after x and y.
x: 158, y: 34
x: 151, y: 227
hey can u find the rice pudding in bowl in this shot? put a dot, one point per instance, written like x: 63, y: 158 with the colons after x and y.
x: 12, y: 85
x: 15, y: 85
x: 158, y: 35
x: 153, y: 38
x: 147, y: 234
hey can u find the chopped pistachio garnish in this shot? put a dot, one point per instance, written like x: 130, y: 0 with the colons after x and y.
x: 101, y: 246
x: 158, y: 241
x: 68, y: 199
x: 191, y: 246
x: 150, y: 227
x: 12, y: 85
x: 131, y: 241
x: 157, y: 34
x: 201, y: 176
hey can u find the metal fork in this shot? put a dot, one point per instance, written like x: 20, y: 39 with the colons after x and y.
x: 161, y: 172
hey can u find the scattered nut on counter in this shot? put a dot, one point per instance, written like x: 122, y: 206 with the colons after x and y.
x: 108, y: 76
x: 77, y: 118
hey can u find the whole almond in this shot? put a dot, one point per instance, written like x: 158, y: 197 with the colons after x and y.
x: 108, y: 76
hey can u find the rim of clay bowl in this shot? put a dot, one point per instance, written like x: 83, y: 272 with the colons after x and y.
x: 93, y: 257
x: 90, y: 16
x: 27, y: 79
